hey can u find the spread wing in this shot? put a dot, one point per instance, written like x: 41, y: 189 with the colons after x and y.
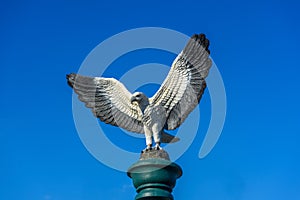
x: 181, y: 91
x: 109, y: 101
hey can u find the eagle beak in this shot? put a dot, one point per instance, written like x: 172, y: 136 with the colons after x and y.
x: 133, y: 99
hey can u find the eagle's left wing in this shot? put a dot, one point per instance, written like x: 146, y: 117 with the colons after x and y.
x: 181, y: 91
x: 109, y: 100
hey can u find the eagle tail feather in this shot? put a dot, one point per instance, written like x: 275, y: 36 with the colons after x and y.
x: 167, y: 138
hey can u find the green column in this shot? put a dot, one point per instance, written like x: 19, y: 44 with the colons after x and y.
x: 154, y: 176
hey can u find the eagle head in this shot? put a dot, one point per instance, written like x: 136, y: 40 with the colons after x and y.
x: 141, y: 99
x: 138, y: 97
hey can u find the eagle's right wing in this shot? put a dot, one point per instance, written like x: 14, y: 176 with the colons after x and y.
x: 109, y: 101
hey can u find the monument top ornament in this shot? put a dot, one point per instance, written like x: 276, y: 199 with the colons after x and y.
x: 178, y: 95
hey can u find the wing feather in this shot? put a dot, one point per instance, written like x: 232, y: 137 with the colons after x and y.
x: 109, y: 101
x: 181, y: 91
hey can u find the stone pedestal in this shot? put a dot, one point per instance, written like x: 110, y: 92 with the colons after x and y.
x: 154, y: 176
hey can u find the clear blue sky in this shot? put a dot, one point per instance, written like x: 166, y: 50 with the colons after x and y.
x: 255, y: 45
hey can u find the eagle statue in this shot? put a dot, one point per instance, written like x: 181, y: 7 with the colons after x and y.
x: 178, y: 95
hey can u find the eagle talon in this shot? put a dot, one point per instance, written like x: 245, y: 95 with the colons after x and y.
x: 157, y: 147
x: 148, y: 148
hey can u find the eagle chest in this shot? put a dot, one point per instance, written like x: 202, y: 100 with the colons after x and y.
x: 154, y: 114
